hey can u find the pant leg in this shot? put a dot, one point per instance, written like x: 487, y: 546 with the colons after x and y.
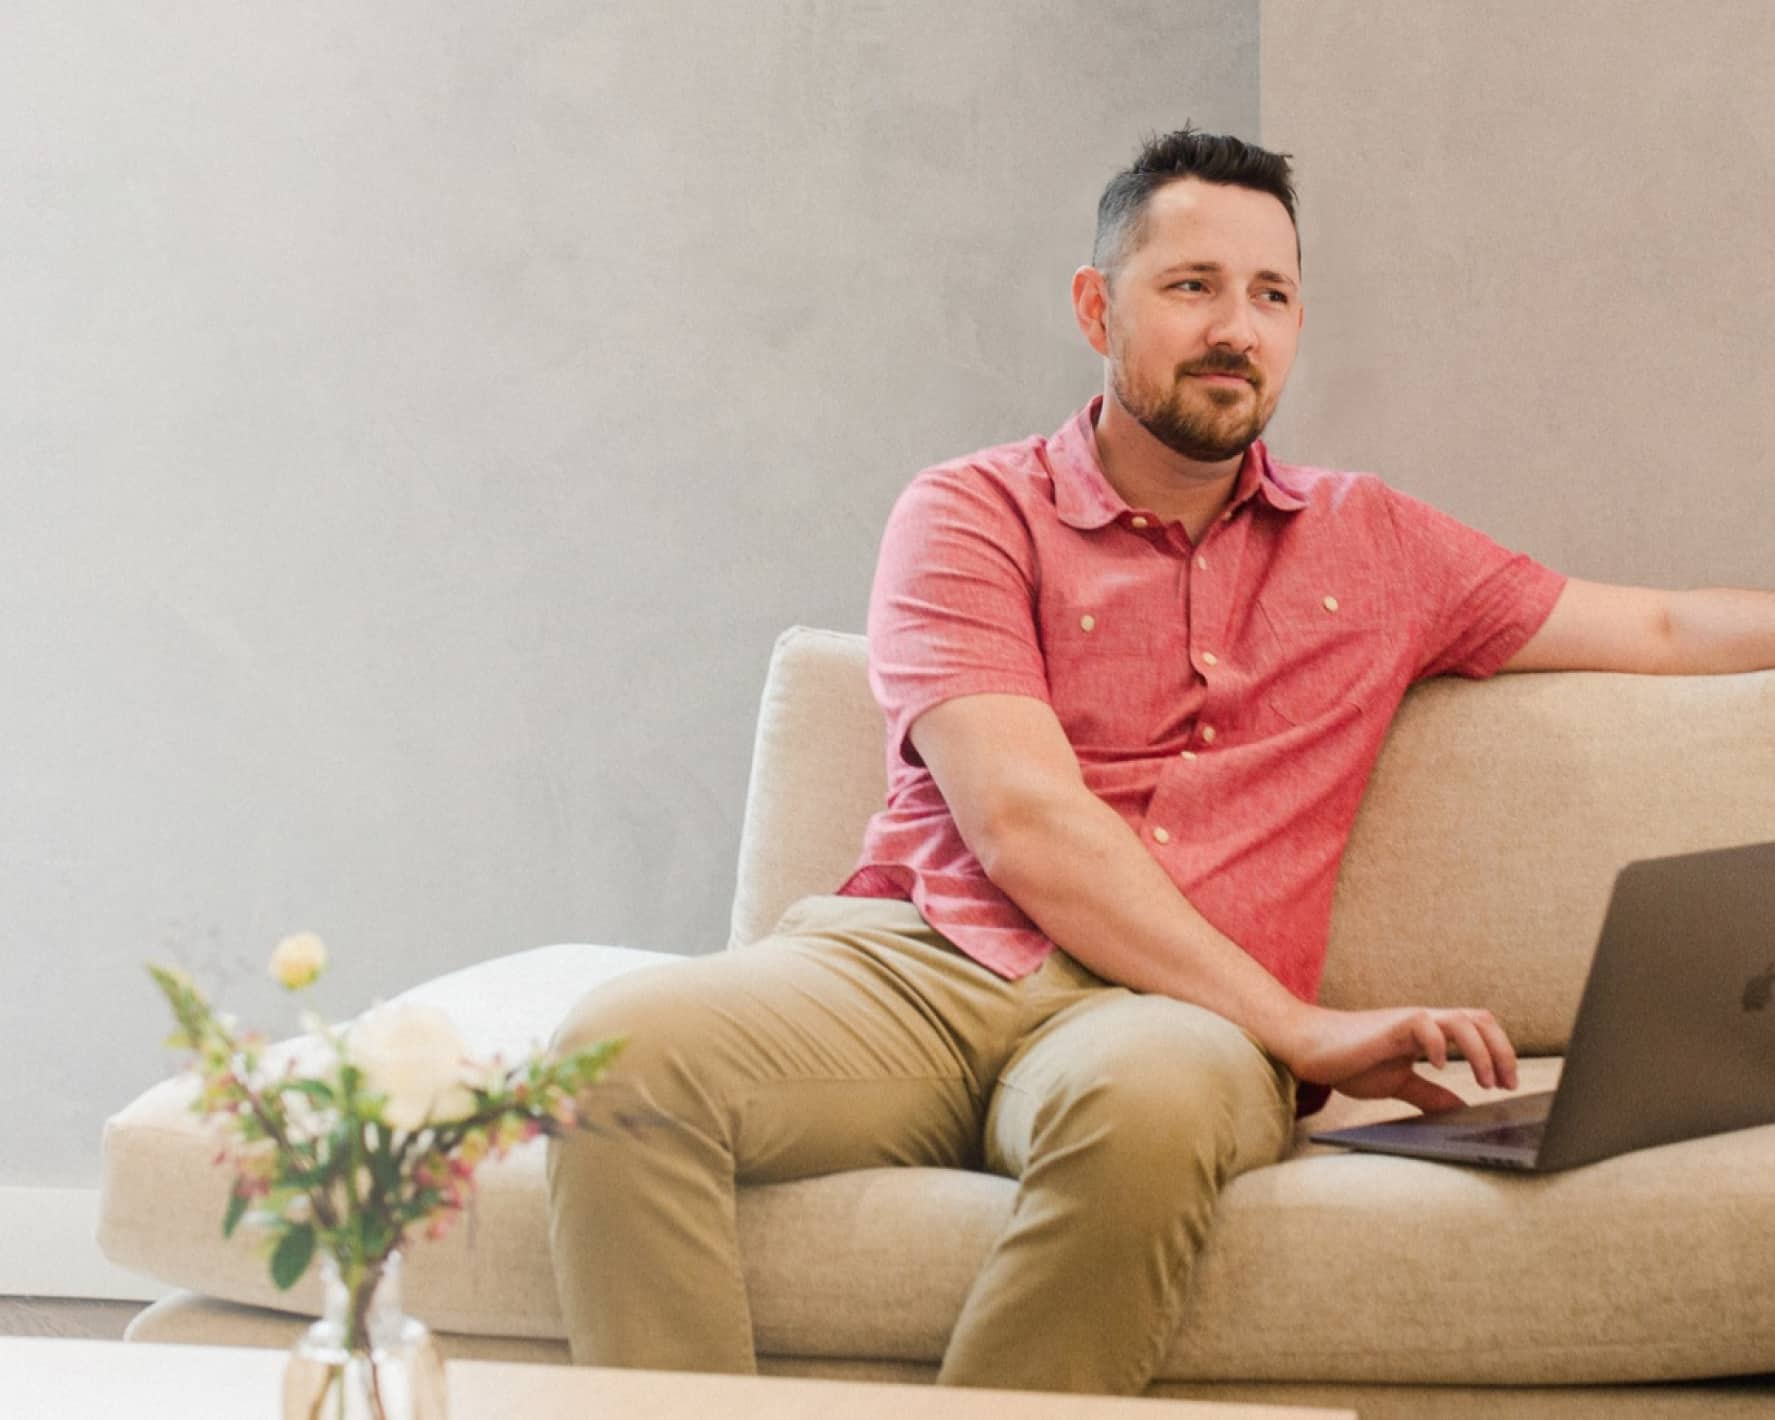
x: 1122, y: 1116
x: 848, y: 1039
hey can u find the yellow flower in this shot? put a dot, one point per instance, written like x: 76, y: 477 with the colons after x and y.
x: 473, y: 1147
x: 298, y: 960
x: 257, y: 1159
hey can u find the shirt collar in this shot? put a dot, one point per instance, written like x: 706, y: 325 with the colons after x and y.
x: 1084, y: 498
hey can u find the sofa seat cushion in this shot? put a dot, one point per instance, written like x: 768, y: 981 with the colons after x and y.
x: 1329, y: 1266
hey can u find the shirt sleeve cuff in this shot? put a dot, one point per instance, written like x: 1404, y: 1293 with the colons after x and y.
x: 994, y: 683
x: 1540, y: 590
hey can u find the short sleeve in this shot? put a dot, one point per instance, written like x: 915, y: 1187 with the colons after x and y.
x: 1477, y: 603
x: 952, y: 608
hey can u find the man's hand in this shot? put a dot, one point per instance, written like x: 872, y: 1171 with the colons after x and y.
x: 1370, y: 1054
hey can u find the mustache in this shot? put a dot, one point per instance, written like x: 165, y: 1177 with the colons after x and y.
x: 1239, y: 368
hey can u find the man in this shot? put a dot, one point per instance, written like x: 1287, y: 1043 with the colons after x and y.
x: 1134, y: 677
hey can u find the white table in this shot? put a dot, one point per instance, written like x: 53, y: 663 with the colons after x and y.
x: 43, y: 1378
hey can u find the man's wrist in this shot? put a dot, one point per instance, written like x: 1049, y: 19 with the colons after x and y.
x: 1287, y: 1029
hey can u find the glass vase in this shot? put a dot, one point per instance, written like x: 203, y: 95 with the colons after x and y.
x: 364, y: 1359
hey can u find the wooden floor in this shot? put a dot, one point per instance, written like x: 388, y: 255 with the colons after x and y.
x: 59, y: 1316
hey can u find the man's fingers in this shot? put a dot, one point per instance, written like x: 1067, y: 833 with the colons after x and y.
x: 1503, y: 1054
x: 1429, y: 1038
x: 1427, y: 1095
x: 1486, y: 1048
x: 1479, y: 1038
x: 1460, y: 1026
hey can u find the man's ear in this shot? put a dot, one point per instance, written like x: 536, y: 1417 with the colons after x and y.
x: 1090, y: 296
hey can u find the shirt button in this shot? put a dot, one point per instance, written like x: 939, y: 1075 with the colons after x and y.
x: 1087, y: 622
x: 1161, y: 835
x: 1208, y: 734
x: 1330, y: 603
x: 1210, y: 659
x: 1201, y: 562
x: 1186, y: 754
x: 1138, y: 522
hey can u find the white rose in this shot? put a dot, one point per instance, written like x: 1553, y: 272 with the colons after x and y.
x: 298, y: 960
x: 413, y: 1055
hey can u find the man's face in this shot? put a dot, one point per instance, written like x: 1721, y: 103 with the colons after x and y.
x: 1168, y: 326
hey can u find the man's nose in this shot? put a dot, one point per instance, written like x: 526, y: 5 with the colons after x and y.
x: 1230, y: 323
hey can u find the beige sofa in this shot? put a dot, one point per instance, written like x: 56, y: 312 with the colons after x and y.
x: 1478, y: 873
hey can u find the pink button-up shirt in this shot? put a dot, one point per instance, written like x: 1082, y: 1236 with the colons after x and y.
x: 1227, y: 698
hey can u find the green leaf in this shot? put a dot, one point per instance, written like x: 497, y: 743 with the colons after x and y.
x: 317, y: 1090
x: 292, y: 1257
x: 367, y: 1106
x: 588, y: 1064
x: 237, y: 1207
x: 309, y: 1178
x: 187, y: 1002
x: 377, y: 1237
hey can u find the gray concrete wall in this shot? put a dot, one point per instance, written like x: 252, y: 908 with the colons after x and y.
x: 1537, y: 285
x: 420, y: 420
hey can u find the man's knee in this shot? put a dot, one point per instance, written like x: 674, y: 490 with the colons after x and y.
x: 662, y: 1016
x: 1172, y: 1091
x: 625, y: 1007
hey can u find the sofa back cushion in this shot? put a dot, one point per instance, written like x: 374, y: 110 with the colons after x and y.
x: 1482, y: 857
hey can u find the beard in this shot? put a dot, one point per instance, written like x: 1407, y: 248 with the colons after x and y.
x: 1205, y: 422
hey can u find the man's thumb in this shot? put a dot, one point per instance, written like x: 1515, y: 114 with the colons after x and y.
x: 1427, y: 1095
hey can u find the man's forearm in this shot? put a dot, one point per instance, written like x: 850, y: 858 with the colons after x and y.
x: 1716, y: 630
x: 1084, y: 878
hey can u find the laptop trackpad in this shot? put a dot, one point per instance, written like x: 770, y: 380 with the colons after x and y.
x: 1513, y: 1122
x: 1516, y: 1111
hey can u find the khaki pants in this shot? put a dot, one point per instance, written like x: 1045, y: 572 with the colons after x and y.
x: 857, y: 1036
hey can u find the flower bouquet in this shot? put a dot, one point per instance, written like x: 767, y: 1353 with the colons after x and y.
x: 378, y: 1137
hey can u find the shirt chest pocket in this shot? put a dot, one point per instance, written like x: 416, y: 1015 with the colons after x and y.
x: 1107, y: 673
x: 1331, y: 657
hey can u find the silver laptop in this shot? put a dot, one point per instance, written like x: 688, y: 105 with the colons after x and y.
x: 1675, y: 1035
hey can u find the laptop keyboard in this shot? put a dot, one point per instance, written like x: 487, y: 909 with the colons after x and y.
x: 1526, y: 1136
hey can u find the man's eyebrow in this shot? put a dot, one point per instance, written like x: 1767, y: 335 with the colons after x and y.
x: 1217, y: 268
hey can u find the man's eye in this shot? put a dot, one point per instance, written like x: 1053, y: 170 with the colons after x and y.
x: 1282, y: 296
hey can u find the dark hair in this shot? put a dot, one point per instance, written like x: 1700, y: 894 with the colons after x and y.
x: 1212, y: 157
